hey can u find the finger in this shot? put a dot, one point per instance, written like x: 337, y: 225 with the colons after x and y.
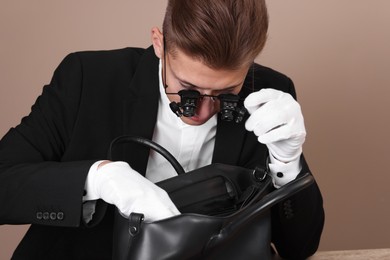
x: 257, y: 99
x: 277, y: 134
x: 266, y: 118
x: 159, y: 212
x: 283, y: 132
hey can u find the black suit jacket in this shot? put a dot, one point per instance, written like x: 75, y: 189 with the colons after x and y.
x: 94, y: 97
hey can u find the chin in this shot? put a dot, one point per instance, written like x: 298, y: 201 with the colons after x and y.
x: 194, y: 120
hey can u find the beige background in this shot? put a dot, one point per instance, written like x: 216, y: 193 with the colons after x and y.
x: 336, y: 51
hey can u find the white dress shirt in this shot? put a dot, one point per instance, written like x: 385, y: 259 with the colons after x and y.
x: 192, y: 146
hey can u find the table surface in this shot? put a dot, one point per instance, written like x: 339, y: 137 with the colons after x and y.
x: 364, y: 254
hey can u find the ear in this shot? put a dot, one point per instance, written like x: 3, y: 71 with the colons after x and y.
x: 158, y: 42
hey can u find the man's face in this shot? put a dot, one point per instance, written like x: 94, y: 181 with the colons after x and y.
x: 184, y: 72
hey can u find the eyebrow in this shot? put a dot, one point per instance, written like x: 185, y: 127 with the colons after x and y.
x: 183, y: 82
x: 195, y: 86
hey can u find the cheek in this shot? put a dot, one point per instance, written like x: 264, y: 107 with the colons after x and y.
x: 217, y: 106
x: 173, y: 98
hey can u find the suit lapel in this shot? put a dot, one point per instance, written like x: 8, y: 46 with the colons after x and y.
x: 141, y: 105
x: 230, y: 136
x: 228, y: 142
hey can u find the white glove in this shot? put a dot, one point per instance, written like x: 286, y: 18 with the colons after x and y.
x: 276, y: 119
x: 118, y: 184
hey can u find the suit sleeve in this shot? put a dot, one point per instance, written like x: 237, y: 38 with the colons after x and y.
x: 297, y: 222
x: 36, y: 185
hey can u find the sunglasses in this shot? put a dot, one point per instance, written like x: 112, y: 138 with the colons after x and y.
x: 231, y: 108
x: 231, y: 105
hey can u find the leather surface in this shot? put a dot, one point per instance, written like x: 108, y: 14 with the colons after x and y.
x: 198, y: 234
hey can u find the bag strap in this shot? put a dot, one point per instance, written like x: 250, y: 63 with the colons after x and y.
x: 260, y: 207
x: 150, y: 144
x: 246, y: 214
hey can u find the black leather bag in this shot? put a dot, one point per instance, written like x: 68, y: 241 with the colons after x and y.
x: 225, y: 214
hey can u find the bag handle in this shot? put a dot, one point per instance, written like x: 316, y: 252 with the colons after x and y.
x: 260, y: 207
x: 247, y: 213
x: 150, y: 144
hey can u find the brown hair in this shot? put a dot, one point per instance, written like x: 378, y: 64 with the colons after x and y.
x: 221, y: 33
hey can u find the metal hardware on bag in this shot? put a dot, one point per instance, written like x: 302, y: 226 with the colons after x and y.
x: 207, y: 236
x: 133, y: 230
x: 135, y: 220
x: 260, y: 174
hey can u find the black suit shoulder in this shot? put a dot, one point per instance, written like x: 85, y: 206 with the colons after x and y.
x: 260, y: 76
x: 69, y: 127
x: 115, y: 55
x: 103, y: 62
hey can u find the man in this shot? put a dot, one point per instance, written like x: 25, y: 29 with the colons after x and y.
x: 54, y: 170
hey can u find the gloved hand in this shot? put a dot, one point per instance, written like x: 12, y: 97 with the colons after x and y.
x: 276, y: 119
x: 118, y: 184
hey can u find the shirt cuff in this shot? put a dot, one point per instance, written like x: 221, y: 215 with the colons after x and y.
x: 282, y: 173
x: 89, y: 208
x: 90, y: 195
x: 89, y: 187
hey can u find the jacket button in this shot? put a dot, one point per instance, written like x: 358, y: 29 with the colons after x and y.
x: 288, y: 211
x: 53, y: 216
x: 39, y: 215
x: 287, y: 203
x: 289, y: 214
x: 45, y: 215
x: 60, y: 215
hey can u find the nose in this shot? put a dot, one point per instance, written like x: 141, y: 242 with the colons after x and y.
x: 206, y: 106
